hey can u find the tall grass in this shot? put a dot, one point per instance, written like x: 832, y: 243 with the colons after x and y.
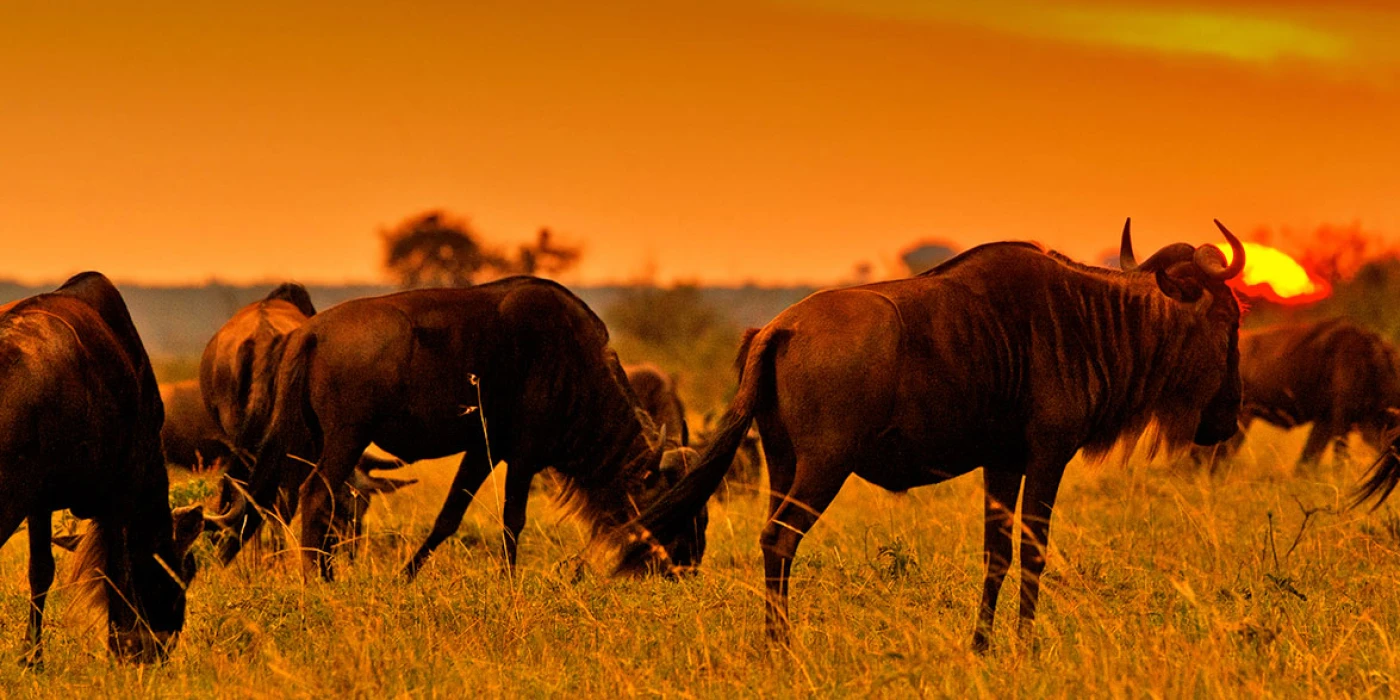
x: 1162, y: 583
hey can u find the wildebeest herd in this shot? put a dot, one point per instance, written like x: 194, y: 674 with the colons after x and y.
x: 1008, y: 357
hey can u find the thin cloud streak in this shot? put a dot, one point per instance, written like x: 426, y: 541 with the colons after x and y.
x: 1328, y: 37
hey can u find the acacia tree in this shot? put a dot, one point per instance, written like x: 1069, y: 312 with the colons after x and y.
x: 435, y: 249
x: 545, y: 256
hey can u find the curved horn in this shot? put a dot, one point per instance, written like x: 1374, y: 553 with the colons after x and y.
x: 1126, y: 261
x: 228, y: 519
x: 1212, y: 267
x: 1166, y: 257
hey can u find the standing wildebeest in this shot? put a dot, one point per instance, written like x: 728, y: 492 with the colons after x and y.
x: 656, y: 394
x: 237, y: 381
x: 1333, y: 374
x: 80, y: 425
x: 516, y: 370
x: 1007, y: 357
x: 190, y: 437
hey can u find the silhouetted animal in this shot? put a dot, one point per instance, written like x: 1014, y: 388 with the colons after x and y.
x: 1007, y: 357
x: 238, y: 374
x: 1332, y: 373
x: 433, y: 372
x: 190, y: 437
x: 656, y: 394
x: 80, y: 421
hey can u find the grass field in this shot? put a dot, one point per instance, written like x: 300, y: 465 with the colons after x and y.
x: 1162, y: 583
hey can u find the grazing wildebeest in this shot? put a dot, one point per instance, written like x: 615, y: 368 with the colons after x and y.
x: 80, y: 426
x: 190, y: 437
x: 656, y: 394
x: 1008, y: 357
x: 516, y: 370
x: 1331, y: 373
x: 237, y: 380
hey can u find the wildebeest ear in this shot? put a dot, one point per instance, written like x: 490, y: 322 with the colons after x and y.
x: 67, y: 543
x: 1181, y: 288
x: 679, y: 460
x: 370, y: 463
x: 382, y: 484
x: 189, y: 522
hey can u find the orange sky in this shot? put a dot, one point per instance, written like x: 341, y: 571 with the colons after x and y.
x: 777, y: 141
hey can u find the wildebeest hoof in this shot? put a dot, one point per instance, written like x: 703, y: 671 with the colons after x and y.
x: 33, y: 661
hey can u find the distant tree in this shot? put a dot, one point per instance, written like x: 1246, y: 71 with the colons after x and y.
x: 925, y: 255
x: 545, y: 257
x: 434, y: 249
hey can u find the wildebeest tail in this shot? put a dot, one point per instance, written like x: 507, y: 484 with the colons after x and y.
x: 1383, y: 476
x: 292, y: 429
x: 677, y: 509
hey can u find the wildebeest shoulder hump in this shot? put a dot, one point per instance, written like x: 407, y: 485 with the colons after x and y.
x: 984, y: 249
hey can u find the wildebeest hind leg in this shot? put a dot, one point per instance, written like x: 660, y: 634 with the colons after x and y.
x: 517, y: 496
x: 1037, y: 505
x: 317, y: 498
x: 471, y: 474
x: 1003, y: 490
x: 40, y: 579
x: 811, y: 493
x: 10, y: 518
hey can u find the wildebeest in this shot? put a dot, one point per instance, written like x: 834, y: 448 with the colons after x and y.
x: 1008, y: 357
x: 656, y: 394
x: 1332, y: 374
x: 190, y: 437
x: 516, y: 370
x: 80, y: 426
x: 237, y: 383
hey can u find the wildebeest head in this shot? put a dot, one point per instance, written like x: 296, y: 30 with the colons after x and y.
x: 160, y: 579
x: 1195, y: 277
x: 684, y: 551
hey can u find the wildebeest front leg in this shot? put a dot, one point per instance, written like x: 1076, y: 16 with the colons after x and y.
x: 317, y: 497
x: 517, y: 496
x: 1003, y: 490
x: 1037, y: 505
x: 471, y: 474
x: 810, y: 495
x: 1341, y: 452
x: 40, y: 579
x: 1318, y: 438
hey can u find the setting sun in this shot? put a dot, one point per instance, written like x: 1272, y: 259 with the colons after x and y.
x: 1273, y: 274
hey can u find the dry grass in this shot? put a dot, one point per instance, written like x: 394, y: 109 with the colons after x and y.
x: 1161, y: 584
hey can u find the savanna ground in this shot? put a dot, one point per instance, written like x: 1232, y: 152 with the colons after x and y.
x: 1163, y: 582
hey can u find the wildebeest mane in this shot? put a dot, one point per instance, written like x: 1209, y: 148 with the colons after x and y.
x: 620, y: 443
x: 1101, y: 314
x: 975, y: 251
x: 294, y: 294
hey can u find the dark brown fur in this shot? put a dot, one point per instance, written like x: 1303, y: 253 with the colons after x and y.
x: 80, y: 424
x: 430, y: 373
x: 1007, y: 357
x: 656, y: 394
x: 190, y: 438
x: 1333, y: 374
x: 238, y: 373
